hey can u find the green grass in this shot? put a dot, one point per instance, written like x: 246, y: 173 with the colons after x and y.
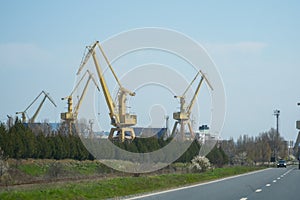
x: 40, y: 167
x: 122, y: 186
x: 33, y: 169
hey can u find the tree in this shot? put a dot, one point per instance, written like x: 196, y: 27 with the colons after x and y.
x: 229, y: 148
x: 217, y: 157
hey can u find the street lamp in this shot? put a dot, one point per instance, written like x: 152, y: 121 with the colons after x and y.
x: 276, y: 113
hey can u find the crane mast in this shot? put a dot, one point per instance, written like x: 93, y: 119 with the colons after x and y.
x: 120, y: 119
x: 183, y: 116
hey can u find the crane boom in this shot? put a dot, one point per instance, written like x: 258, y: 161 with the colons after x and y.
x: 191, y: 83
x: 109, y: 65
x: 206, y: 80
x: 190, y: 106
x: 76, y: 86
x: 32, y: 119
x: 87, y: 56
x: 83, y: 93
x: 109, y: 101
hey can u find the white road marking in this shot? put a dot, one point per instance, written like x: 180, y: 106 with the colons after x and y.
x: 274, y: 181
x: 268, y: 185
x: 258, y: 190
x: 192, y: 186
x: 288, y: 171
x: 278, y: 178
x: 282, y: 176
x: 244, y: 198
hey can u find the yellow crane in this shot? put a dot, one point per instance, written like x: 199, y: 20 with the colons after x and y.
x: 32, y: 119
x: 183, y: 116
x: 120, y: 119
x: 70, y: 116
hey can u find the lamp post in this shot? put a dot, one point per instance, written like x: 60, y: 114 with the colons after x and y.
x: 276, y: 113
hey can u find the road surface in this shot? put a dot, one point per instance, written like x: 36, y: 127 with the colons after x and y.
x: 268, y: 184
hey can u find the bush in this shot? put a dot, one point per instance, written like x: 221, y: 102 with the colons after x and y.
x: 200, y: 164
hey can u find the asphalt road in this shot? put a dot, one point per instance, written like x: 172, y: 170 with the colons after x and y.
x: 268, y: 184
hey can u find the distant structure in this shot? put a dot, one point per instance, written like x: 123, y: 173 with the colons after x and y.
x: 149, y: 132
x: 203, y: 134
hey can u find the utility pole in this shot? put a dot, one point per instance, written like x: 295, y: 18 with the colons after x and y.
x: 276, y: 113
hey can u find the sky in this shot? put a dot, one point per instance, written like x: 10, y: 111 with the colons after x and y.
x: 255, y: 46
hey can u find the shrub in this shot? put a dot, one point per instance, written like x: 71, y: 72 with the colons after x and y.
x: 200, y: 164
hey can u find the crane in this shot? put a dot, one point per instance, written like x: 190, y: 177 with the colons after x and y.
x: 120, y: 119
x: 32, y: 119
x: 70, y: 116
x: 183, y: 116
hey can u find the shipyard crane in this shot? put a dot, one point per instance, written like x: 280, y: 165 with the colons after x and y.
x: 32, y: 119
x: 120, y: 119
x: 70, y: 116
x: 183, y: 116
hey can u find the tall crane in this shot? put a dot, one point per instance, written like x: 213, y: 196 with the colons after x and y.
x: 120, y: 119
x: 32, y: 119
x: 70, y: 116
x: 183, y: 116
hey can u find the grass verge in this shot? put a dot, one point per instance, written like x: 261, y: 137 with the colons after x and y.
x: 121, y: 186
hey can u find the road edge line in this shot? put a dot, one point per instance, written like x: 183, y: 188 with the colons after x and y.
x: 196, y: 185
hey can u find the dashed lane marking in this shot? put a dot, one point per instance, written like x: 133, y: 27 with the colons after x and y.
x: 258, y: 190
x: 268, y: 185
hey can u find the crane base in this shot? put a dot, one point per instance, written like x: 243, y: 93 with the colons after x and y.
x: 121, y: 133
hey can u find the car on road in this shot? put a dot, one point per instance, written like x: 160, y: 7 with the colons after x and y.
x: 281, y: 163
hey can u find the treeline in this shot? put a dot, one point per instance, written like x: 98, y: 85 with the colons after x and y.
x: 20, y: 142
x: 266, y: 147
x: 216, y: 156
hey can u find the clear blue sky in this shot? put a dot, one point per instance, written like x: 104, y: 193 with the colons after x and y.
x: 254, y: 44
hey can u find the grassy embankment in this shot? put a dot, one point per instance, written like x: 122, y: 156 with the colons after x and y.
x: 112, y: 187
